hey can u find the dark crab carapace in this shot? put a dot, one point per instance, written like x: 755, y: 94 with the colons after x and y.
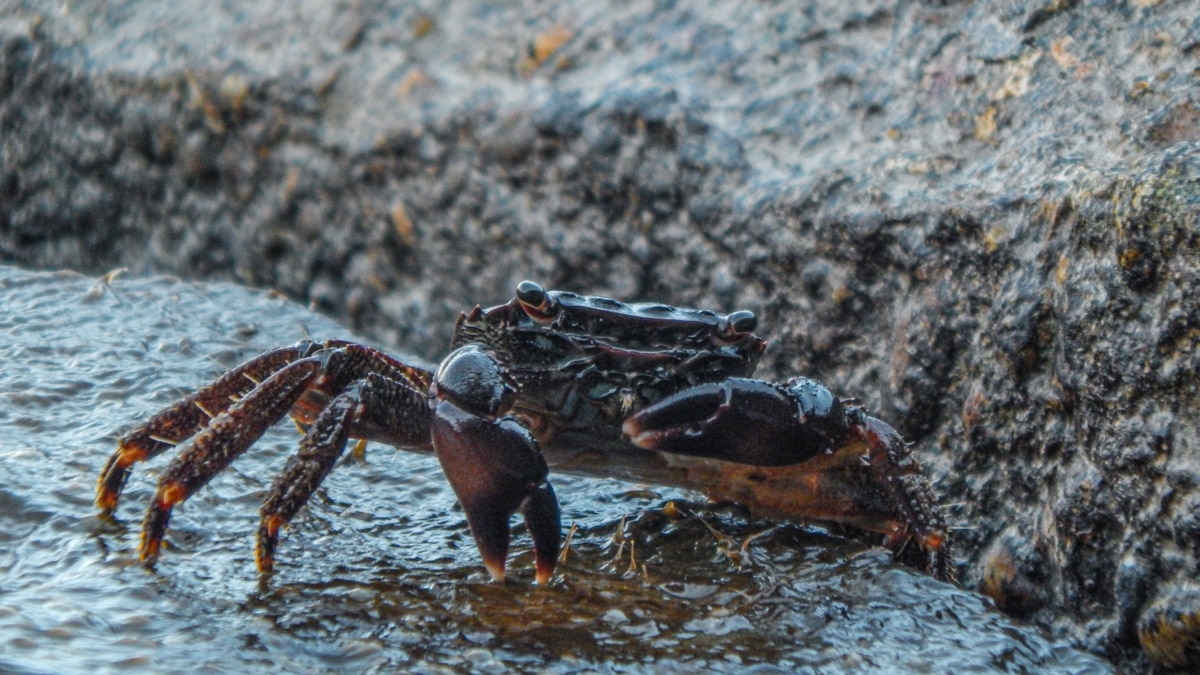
x: 551, y: 379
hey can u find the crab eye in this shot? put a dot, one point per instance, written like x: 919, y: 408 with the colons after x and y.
x: 741, y: 322
x: 536, y: 302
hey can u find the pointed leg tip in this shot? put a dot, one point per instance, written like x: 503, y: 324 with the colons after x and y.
x: 268, y: 539
x: 264, y: 559
x: 148, y: 556
x: 106, y: 501
x: 112, y: 478
x: 154, y: 528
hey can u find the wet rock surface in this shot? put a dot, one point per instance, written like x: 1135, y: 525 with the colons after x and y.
x: 980, y: 218
x: 379, y: 572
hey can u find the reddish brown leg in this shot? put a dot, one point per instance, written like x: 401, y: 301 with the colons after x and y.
x: 320, y: 449
x: 390, y: 405
x: 227, y: 436
x: 381, y: 408
x: 910, y: 493
x: 182, y: 420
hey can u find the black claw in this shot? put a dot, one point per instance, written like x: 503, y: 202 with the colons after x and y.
x: 496, y: 469
x: 739, y: 420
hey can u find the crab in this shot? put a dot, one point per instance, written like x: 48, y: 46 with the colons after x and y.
x: 589, y: 385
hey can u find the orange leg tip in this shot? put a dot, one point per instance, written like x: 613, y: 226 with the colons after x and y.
x: 106, y: 500
x: 264, y: 553
x: 272, y: 523
x: 149, y: 553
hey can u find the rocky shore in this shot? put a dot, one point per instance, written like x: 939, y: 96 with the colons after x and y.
x: 979, y: 218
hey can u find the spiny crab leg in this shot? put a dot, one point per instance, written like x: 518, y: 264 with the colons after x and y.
x: 182, y: 420
x: 794, y: 451
x: 335, y: 390
x: 907, y: 511
x: 226, y: 437
x: 376, y: 408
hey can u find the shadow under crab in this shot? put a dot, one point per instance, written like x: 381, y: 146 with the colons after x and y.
x: 551, y: 379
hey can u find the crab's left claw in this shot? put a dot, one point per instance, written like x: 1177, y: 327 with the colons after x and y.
x: 794, y: 450
x: 492, y: 462
x: 742, y: 420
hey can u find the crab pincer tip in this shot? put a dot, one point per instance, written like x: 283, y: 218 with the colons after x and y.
x: 495, y: 569
x: 544, y: 572
x: 633, y: 430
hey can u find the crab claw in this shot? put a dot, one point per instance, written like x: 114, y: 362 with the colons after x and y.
x: 493, y: 464
x: 795, y: 451
x: 742, y: 420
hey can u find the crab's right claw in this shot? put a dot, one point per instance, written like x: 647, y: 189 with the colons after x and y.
x: 493, y: 463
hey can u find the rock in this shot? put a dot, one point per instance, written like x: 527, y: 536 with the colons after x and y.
x: 980, y: 218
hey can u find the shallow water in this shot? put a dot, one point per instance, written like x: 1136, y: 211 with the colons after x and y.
x: 379, y: 572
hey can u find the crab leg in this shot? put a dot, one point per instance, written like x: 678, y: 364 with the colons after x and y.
x: 226, y: 437
x: 184, y: 419
x: 381, y: 409
x: 899, y: 475
x: 320, y: 449
x: 180, y: 421
x: 302, y: 388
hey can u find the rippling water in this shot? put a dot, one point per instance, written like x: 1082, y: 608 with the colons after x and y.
x: 379, y: 572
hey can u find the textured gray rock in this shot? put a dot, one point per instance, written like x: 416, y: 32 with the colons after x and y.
x: 978, y: 217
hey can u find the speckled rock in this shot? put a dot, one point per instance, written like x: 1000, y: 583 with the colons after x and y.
x: 980, y: 218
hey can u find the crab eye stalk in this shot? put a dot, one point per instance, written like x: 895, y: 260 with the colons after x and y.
x: 536, y: 302
x: 738, y: 324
